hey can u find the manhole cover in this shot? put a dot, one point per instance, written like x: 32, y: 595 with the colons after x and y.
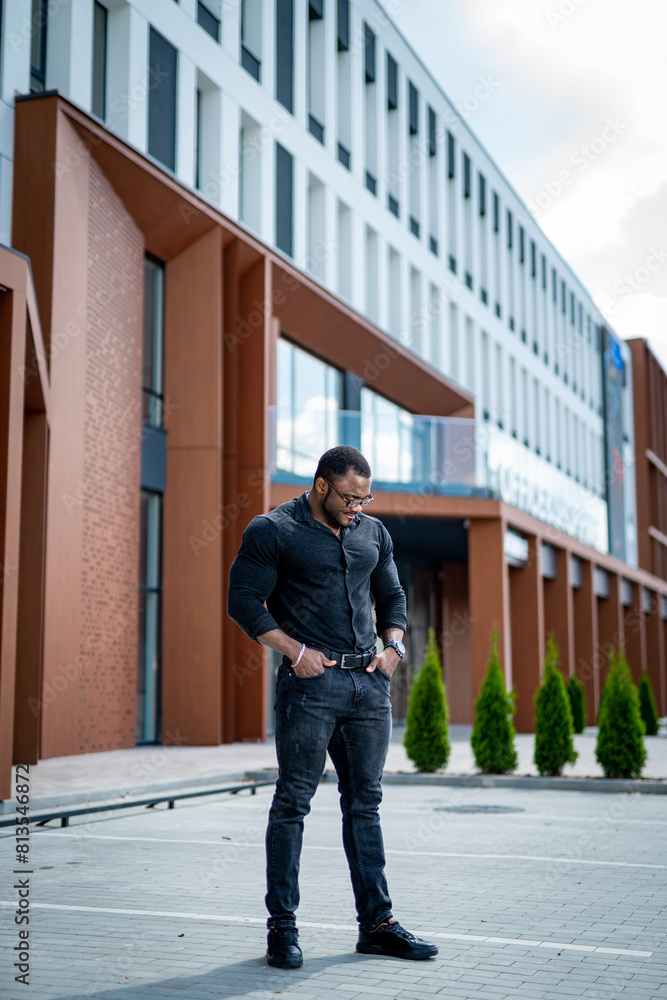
x: 478, y: 809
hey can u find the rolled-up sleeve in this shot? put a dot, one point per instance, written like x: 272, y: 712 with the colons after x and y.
x: 252, y: 578
x: 389, y: 596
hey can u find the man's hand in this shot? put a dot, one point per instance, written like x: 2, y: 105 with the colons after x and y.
x: 386, y: 661
x: 312, y: 663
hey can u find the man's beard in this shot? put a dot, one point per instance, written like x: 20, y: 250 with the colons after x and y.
x: 332, y: 517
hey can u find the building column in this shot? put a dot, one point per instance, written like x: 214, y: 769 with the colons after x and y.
x: 634, y: 634
x: 249, y: 335
x: 301, y: 64
x: 230, y: 158
x: 16, y: 37
x: 30, y: 631
x: 455, y: 635
x: 610, y: 633
x: 194, y: 515
x: 12, y: 359
x: 655, y: 655
x: 559, y: 611
x: 488, y: 590
x: 127, y: 75
x: 268, y: 70
x: 70, y: 51
x: 586, y: 639
x: 357, y: 97
x: 231, y: 36
x: 527, y: 624
x: 186, y: 117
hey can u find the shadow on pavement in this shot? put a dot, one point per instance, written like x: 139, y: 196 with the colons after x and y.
x: 240, y: 979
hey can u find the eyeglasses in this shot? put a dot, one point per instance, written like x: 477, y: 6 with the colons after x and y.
x: 350, y: 503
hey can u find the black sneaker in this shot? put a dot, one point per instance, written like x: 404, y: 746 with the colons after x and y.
x: 282, y: 950
x: 392, y: 939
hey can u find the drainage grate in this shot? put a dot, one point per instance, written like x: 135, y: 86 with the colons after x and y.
x: 478, y: 809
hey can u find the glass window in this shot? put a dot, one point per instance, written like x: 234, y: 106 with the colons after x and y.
x: 307, y: 412
x: 150, y: 608
x: 39, y: 19
x: 284, y: 199
x: 369, y: 54
x: 198, y: 139
x: 251, y: 37
x: 392, y: 83
x: 153, y: 342
x: 99, y: 95
x: 386, y: 438
x: 285, y: 53
x: 162, y: 58
x: 343, y: 25
x: 208, y: 21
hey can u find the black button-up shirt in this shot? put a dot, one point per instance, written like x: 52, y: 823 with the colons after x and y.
x: 317, y: 587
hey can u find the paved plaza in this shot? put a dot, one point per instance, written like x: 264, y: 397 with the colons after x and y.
x: 528, y: 894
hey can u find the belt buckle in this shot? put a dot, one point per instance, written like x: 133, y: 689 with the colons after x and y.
x: 342, y: 661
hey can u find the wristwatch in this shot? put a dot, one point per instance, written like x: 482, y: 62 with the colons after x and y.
x: 398, y: 646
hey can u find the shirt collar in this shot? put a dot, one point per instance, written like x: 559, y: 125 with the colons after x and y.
x: 302, y: 512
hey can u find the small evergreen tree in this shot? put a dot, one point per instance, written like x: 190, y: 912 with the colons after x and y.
x: 620, y: 746
x: 577, y: 697
x: 554, y: 747
x: 647, y: 706
x: 426, y: 738
x: 492, y: 737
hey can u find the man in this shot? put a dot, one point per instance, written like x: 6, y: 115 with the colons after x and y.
x: 316, y: 561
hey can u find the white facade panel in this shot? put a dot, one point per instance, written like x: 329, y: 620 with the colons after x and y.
x: 440, y: 283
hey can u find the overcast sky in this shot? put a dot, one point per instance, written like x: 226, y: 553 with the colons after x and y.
x: 581, y: 89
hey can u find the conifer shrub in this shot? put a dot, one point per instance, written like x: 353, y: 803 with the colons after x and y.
x: 577, y: 697
x: 492, y: 737
x: 647, y: 706
x: 620, y: 746
x: 426, y: 738
x: 554, y: 747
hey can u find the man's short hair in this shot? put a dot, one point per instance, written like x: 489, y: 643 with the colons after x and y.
x: 336, y: 462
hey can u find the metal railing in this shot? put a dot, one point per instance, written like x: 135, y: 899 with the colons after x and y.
x: 64, y: 814
x: 405, y: 451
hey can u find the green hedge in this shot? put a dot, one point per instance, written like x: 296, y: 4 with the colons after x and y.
x: 493, y: 733
x: 554, y: 747
x: 577, y: 696
x: 620, y: 746
x: 647, y: 706
x: 426, y: 738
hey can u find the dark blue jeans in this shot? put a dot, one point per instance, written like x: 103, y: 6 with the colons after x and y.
x: 348, y: 713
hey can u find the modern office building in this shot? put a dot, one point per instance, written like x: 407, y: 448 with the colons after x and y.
x: 238, y: 233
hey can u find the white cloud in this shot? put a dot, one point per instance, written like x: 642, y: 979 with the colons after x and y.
x: 565, y: 68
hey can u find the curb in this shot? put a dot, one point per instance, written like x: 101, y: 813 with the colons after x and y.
x: 128, y: 791
x: 644, y: 786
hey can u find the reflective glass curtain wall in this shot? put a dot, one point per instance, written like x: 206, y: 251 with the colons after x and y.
x: 308, y: 395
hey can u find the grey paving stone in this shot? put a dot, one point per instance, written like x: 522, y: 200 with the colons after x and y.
x: 539, y: 901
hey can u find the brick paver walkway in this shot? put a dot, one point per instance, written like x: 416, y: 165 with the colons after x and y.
x: 528, y: 894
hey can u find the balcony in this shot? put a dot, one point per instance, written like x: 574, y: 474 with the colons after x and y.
x: 406, y: 452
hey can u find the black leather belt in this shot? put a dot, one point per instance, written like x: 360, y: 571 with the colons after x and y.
x: 349, y: 661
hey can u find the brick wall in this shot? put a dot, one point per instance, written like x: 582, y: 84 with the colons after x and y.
x: 112, y: 462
